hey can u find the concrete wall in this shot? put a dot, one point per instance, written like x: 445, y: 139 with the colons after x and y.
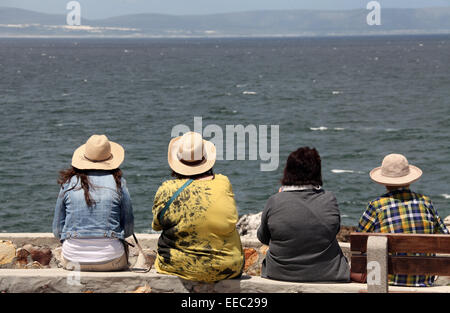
x: 42, y: 250
x: 29, y: 263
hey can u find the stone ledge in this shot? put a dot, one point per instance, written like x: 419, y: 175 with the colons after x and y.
x: 59, y: 280
x: 31, y: 245
x: 17, y: 271
x: 149, y: 241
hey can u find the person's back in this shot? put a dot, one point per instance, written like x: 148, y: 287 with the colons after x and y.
x: 102, y: 218
x: 300, y: 224
x: 302, y: 246
x: 93, y: 212
x: 199, y: 239
x: 401, y: 210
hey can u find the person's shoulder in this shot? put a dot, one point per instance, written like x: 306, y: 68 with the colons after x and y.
x: 421, y: 197
x: 377, y: 202
x: 221, y: 177
x: 275, y: 198
x: 221, y: 180
x: 171, y: 183
x: 168, y: 188
x: 70, y: 183
x: 328, y: 194
x: 282, y: 196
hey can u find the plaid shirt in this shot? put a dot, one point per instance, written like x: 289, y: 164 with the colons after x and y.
x: 403, y: 211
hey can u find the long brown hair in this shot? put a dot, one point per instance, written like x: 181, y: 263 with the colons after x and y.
x: 82, y: 177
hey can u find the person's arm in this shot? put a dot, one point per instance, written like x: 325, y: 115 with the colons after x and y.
x: 439, y: 226
x: 368, y: 221
x: 59, y: 217
x: 263, y: 233
x: 335, y: 214
x: 126, y: 211
x: 158, y: 205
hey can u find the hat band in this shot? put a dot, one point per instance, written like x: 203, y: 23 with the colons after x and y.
x: 396, y: 175
x: 98, y: 161
x: 193, y: 163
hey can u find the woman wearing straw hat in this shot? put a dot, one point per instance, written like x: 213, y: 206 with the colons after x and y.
x: 197, y: 214
x: 401, y: 210
x: 93, y: 212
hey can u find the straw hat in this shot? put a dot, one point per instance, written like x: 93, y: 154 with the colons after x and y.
x: 190, y: 154
x: 98, y: 153
x: 395, y: 171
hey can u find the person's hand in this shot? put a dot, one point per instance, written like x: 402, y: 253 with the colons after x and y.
x: 358, y: 277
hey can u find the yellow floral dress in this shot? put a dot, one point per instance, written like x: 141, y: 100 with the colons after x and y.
x: 199, y: 240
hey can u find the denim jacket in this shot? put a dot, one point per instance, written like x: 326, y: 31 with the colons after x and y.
x: 110, y: 217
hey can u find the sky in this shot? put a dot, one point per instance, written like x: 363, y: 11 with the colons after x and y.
x: 94, y: 9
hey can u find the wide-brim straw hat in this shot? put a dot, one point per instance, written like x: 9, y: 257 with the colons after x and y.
x: 395, y: 171
x: 98, y: 153
x: 190, y: 154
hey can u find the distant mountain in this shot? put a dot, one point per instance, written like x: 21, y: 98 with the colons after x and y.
x: 19, y: 22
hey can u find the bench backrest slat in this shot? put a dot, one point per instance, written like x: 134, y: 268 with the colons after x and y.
x: 406, y: 243
x: 410, y: 265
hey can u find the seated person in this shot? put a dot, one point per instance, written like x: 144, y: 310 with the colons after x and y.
x: 93, y: 213
x: 197, y: 214
x: 300, y: 224
x: 401, y: 210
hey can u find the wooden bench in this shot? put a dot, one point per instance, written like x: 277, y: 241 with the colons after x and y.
x: 371, y: 256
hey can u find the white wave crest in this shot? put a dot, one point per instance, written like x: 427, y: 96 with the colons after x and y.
x: 322, y: 128
x: 446, y: 196
x: 249, y: 93
x: 338, y: 171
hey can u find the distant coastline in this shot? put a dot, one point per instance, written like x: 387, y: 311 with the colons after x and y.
x: 367, y: 35
x: 250, y: 24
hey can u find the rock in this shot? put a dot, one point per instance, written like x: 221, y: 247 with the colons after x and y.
x: 57, y: 257
x: 344, y: 233
x: 447, y: 221
x: 7, y: 252
x: 248, y: 224
x: 38, y: 254
x: 22, y: 257
x: 35, y: 265
x: 251, y: 266
x: 263, y: 250
x: 28, y: 247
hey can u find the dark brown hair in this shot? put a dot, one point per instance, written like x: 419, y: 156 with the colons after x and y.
x: 82, y: 177
x: 303, y: 167
x: 209, y: 172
